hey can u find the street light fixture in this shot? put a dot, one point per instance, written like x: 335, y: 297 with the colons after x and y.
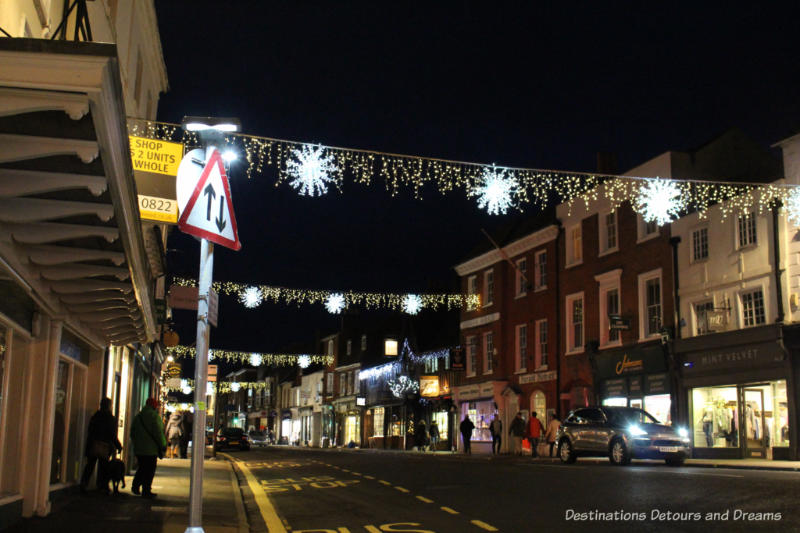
x: 216, y: 124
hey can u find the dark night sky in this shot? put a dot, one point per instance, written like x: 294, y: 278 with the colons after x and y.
x: 540, y: 86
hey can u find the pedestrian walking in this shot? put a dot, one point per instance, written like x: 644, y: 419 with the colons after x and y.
x: 496, y: 429
x: 534, y: 433
x: 552, y: 429
x: 517, y: 431
x: 434, y: 433
x: 174, y: 433
x: 101, y: 442
x: 421, y: 435
x: 187, y: 434
x: 149, y: 445
x: 466, y: 428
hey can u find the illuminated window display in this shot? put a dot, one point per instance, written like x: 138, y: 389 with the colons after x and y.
x: 481, y: 414
x: 377, y: 422
x: 755, y: 417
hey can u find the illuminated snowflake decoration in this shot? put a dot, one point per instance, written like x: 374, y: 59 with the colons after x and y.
x: 412, y: 304
x: 235, y: 387
x: 496, y: 190
x: 255, y: 359
x: 659, y: 201
x: 251, y: 297
x: 303, y: 361
x: 186, y: 390
x: 402, y: 385
x: 335, y: 303
x: 793, y: 206
x: 210, y: 355
x: 311, y: 167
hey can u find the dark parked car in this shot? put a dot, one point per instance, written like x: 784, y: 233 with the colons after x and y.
x: 232, y: 438
x: 622, y: 434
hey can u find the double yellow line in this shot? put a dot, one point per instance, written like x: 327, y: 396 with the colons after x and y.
x: 265, y: 507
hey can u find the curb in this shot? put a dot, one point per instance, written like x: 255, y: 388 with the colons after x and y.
x: 527, y: 459
x: 241, y: 516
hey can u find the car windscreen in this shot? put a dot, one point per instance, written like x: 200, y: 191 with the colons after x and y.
x: 627, y: 416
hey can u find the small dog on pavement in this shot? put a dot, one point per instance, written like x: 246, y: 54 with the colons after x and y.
x: 116, y: 473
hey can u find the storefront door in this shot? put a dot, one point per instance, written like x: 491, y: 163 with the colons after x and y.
x: 754, y: 437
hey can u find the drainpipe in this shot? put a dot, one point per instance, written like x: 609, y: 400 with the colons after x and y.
x: 672, y: 363
x: 558, y: 321
x: 776, y: 250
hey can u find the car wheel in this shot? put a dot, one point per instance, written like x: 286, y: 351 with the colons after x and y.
x: 619, y: 453
x: 565, y: 452
x: 675, y: 461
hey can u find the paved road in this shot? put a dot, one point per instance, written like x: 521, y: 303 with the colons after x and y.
x: 363, y: 491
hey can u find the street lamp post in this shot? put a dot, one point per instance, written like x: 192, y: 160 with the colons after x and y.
x: 211, y: 133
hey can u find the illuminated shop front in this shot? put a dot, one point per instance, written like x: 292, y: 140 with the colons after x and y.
x: 480, y: 402
x: 636, y: 377
x: 738, y: 390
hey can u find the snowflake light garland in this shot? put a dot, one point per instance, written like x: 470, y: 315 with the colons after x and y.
x: 303, y: 361
x: 793, y: 207
x: 311, y: 169
x: 659, y: 201
x: 402, y: 385
x: 495, y: 191
x: 255, y: 359
x: 251, y: 297
x: 335, y: 303
x: 235, y: 386
x: 412, y: 304
x: 269, y: 359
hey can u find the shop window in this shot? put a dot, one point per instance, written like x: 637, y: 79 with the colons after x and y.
x: 481, y: 414
x: 363, y: 343
x: 330, y: 347
x: 541, y: 345
x: 349, y: 347
x: 488, y: 352
x: 521, y: 353
x: 431, y: 365
x: 522, y: 280
x: 488, y: 288
x: 377, y: 422
x: 753, y: 313
x: 608, y: 232
x: 539, y: 404
x: 660, y: 406
x: 472, y: 289
x: 441, y: 419
x: 574, y: 245
x: 746, y: 226
x: 650, y: 304
x: 714, y: 417
x: 330, y: 383
x: 700, y: 244
x: 67, y: 423
x: 540, y: 274
x: 609, y: 305
x: 472, y: 355
x: 574, y: 309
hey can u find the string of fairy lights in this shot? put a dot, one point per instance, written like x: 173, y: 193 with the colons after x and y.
x: 252, y: 358
x: 186, y: 386
x: 312, y: 169
x: 252, y: 296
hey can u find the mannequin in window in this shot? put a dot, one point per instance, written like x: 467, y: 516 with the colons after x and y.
x: 722, y: 418
x: 708, y: 425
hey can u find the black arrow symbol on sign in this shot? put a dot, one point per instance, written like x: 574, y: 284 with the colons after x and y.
x: 220, y: 219
x: 209, y: 191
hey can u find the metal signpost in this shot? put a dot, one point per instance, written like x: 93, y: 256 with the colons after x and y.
x: 199, y: 198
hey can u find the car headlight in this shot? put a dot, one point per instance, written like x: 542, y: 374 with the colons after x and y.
x: 636, y: 431
x: 683, y: 433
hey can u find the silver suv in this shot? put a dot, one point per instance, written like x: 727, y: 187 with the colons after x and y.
x: 621, y: 433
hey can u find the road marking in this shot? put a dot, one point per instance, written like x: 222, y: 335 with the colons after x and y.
x: 484, y: 525
x: 369, y: 477
x: 448, y: 510
x: 424, y: 499
x: 384, y: 482
x: 271, y: 518
x: 401, y: 489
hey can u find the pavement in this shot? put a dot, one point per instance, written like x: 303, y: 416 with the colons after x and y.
x: 223, y: 511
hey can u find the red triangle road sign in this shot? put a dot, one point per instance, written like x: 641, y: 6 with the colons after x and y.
x: 209, y: 212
